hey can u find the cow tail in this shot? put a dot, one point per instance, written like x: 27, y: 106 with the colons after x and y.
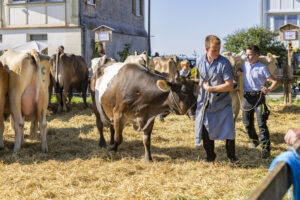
x: 36, y: 59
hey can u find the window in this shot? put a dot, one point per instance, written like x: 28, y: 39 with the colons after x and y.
x: 278, y: 22
x: 35, y: 0
x: 40, y: 37
x: 292, y: 19
x: 92, y: 2
x: 138, y: 7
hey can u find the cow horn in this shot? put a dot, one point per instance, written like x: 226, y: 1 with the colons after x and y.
x: 163, y: 85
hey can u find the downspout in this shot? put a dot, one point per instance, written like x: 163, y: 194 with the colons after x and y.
x: 1, y: 13
x: 83, y: 38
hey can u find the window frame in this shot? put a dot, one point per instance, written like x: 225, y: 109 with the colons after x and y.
x: 43, y: 34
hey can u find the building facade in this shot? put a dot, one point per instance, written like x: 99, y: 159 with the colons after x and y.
x: 71, y: 22
x: 276, y: 13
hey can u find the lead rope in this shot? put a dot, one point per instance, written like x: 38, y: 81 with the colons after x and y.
x: 246, y: 110
x: 179, y: 106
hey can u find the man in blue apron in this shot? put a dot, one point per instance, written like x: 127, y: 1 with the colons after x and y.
x: 255, y: 75
x: 214, y: 117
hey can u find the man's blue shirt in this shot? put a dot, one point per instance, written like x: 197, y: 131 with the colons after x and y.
x: 254, y: 76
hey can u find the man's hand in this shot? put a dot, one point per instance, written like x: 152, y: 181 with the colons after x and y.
x: 292, y: 136
x: 264, y: 90
x: 238, y: 72
x: 206, y: 86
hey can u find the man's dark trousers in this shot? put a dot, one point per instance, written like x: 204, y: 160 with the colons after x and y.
x: 262, y: 113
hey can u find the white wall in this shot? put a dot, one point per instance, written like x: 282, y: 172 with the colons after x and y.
x: 36, y: 15
x: 69, y: 38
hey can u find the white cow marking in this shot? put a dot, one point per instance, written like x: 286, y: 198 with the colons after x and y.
x: 102, y: 84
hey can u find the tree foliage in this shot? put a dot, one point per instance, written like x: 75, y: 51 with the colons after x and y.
x: 125, y: 52
x: 266, y: 40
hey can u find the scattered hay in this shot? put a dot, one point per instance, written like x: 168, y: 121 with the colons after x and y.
x: 76, y: 168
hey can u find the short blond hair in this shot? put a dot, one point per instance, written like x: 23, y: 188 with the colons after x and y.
x: 184, y: 62
x: 212, y: 39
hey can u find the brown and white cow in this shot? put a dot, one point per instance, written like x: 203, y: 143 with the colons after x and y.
x: 100, y: 61
x: 28, y: 92
x: 4, y: 103
x: 70, y: 71
x: 131, y: 93
x: 141, y: 59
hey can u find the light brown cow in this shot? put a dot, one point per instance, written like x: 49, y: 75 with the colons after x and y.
x: 28, y: 92
x: 165, y: 66
x: 4, y: 105
x: 141, y: 59
x: 70, y: 71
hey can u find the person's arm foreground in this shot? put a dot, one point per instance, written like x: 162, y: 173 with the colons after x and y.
x: 292, y: 135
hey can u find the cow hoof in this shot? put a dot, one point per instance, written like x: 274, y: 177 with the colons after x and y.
x: 149, y: 160
x: 113, y: 148
x: 45, y: 149
x: 102, y: 144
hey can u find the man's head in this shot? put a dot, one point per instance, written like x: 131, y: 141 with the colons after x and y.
x: 60, y: 49
x: 212, y: 46
x: 252, y: 53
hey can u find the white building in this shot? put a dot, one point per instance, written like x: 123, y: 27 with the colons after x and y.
x: 276, y: 13
x: 70, y: 23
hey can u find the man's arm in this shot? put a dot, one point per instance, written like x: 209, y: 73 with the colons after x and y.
x: 274, y: 85
x: 225, y: 87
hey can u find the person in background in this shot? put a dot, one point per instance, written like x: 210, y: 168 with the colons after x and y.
x: 292, y: 136
x: 60, y: 49
x: 185, y: 68
x: 255, y: 75
x: 214, y: 117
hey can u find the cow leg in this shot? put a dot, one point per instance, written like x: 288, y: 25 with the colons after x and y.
x: 43, y: 132
x: 64, y: 95
x: 102, y: 142
x: 1, y: 130
x: 70, y: 95
x: 58, y: 99
x: 118, y: 126
x: 84, y: 90
x: 147, y: 141
x: 19, y: 131
x: 112, y: 134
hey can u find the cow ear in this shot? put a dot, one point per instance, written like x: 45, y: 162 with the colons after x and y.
x: 163, y: 85
x: 144, y: 52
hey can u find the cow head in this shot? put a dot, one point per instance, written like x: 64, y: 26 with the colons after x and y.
x: 181, y: 96
x: 271, y: 62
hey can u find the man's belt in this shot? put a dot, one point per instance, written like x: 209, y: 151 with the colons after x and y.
x: 252, y: 93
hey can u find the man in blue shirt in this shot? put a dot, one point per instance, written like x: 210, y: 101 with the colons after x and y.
x: 255, y: 75
x: 214, y: 117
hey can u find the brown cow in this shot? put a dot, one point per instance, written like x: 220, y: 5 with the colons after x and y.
x: 131, y: 93
x: 4, y: 104
x: 70, y: 71
x: 28, y: 93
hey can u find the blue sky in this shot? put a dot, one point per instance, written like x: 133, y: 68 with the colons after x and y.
x: 180, y: 26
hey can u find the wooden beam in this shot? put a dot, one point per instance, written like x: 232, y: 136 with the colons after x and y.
x: 275, y: 185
